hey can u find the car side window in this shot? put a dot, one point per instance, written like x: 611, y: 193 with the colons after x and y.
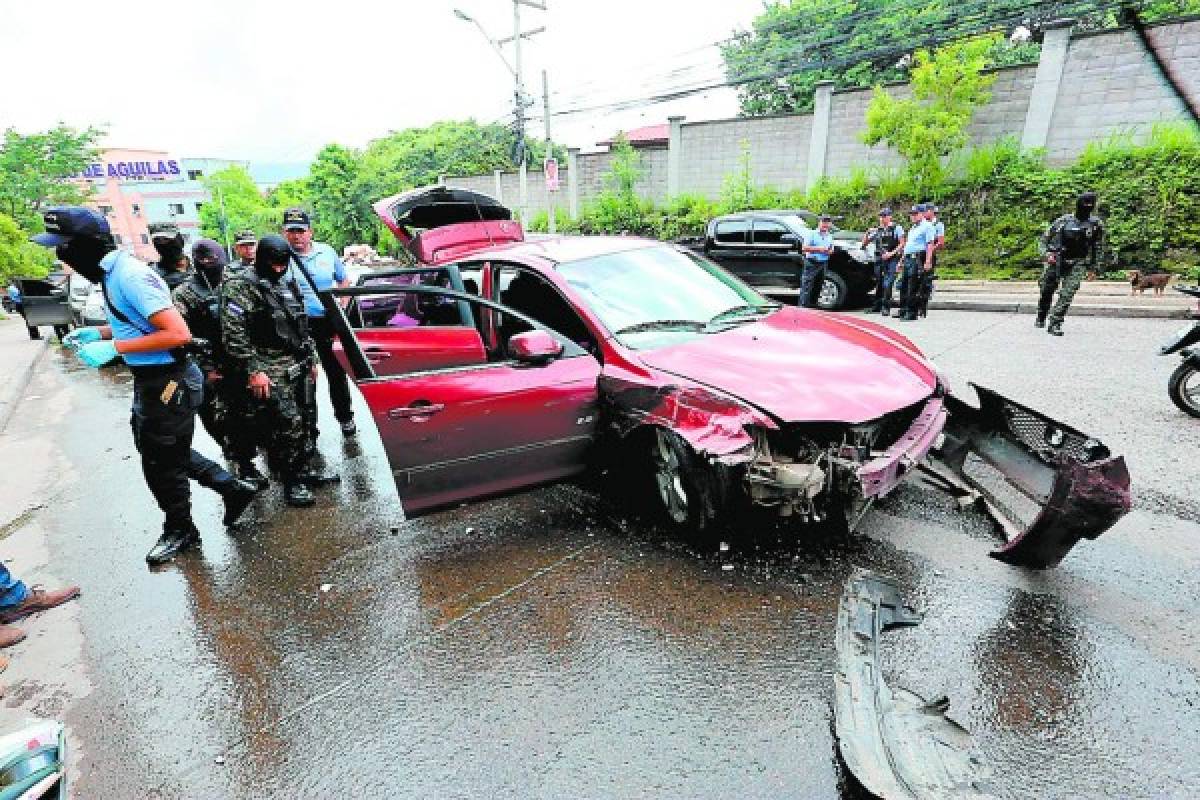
x: 406, y: 309
x: 525, y: 291
x: 768, y: 232
x: 731, y: 231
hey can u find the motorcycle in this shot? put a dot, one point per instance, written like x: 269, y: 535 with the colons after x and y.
x: 1184, y: 385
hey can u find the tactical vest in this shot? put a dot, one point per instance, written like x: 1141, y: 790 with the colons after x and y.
x: 1076, y: 237
x: 886, y: 240
x: 207, y: 325
x: 282, y: 323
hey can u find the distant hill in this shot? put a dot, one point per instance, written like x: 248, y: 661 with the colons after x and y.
x: 271, y: 173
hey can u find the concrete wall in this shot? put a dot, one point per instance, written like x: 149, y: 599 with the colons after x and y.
x: 1110, y: 86
x: 1085, y: 88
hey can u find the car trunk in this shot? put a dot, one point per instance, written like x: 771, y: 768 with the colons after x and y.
x: 439, y: 224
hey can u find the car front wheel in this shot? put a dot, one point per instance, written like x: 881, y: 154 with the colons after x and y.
x: 834, y: 292
x: 674, y: 473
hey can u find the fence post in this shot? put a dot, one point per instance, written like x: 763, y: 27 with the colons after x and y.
x: 1043, y: 98
x: 498, y: 177
x: 674, y: 155
x: 818, y: 145
x: 573, y: 182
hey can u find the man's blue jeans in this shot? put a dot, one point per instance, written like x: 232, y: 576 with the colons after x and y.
x: 12, y: 591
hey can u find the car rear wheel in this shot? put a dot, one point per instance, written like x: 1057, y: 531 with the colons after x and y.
x: 834, y: 292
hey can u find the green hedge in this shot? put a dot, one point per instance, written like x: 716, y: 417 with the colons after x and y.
x: 995, y: 206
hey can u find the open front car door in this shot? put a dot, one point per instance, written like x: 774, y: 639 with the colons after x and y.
x: 459, y: 420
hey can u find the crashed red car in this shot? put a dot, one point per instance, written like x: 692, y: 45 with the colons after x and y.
x: 501, y: 363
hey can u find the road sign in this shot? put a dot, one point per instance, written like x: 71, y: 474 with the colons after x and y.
x: 550, y: 168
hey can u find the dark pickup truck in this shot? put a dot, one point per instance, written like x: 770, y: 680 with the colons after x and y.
x: 763, y: 249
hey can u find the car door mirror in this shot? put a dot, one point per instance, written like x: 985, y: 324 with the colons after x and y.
x: 534, y: 347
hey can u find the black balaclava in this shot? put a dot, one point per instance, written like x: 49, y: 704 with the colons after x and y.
x: 210, y: 260
x: 169, y: 250
x: 1085, y: 206
x: 83, y: 254
x: 272, y: 257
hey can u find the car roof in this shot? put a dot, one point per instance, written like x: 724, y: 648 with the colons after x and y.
x: 774, y: 212
x: 560, y: 249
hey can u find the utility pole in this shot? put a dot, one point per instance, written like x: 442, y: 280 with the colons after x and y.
x: 520, y: 154
x: 551, y: 222
x: 224, y: 220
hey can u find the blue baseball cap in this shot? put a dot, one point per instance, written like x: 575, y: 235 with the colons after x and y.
x: 64, y: 223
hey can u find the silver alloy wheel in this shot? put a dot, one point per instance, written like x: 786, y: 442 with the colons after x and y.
x: 829, y: 294
x: 668, y: 475
x: 1184, y: 388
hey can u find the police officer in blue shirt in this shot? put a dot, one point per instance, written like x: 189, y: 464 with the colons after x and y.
x: 919, y: 244
x: 817, y: 248
x: 146, y: 331
x: 328, y: 271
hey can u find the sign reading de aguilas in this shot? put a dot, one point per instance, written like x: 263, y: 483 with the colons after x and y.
x: 132, y: 169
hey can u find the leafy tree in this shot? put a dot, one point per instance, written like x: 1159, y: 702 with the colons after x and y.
x: 20, y: 258
x: 341, y: 202
x: 235, y: 193
x: 947, y: 87
x: 37, y: 170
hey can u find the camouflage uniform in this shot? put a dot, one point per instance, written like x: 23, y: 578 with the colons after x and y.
x: 1074, y: 242
x: 264, y: 329
x: 222, y: 412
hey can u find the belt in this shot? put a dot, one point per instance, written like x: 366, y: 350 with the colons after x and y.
x: 150, y: 371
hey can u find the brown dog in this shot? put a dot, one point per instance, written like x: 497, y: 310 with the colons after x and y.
x: 1140, y: 283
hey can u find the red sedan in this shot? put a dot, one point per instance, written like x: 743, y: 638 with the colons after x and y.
x: 502, y: 363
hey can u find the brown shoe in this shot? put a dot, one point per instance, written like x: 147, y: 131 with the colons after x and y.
x: 10, y: 635
x: 38, y: 599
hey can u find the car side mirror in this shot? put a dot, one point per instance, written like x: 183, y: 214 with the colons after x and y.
x: 534, y: 347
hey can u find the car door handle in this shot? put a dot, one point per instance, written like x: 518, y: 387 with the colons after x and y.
x: 409, y: 412
x: 377, y: 353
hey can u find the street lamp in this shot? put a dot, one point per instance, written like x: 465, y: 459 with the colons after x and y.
x: 465, y: 17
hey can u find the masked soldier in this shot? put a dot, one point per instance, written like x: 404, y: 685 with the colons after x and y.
x: 222, y: 412
x: 173, y: 265
x: 1072, y: 241
x: 269, y: 352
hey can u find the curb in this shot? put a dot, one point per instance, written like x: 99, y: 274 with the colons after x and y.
x: 12, y: 396
x: 1079, y: 310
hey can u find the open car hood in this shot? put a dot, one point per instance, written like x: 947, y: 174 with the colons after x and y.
x: 804, y: 367
x: 439, y: 224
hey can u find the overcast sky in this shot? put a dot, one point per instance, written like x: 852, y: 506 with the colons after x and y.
x: 276, y: 81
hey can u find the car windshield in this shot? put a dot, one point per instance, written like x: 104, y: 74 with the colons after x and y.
x: 654, y: 296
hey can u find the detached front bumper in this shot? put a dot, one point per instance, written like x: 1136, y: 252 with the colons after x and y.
x: 883, y: 473
x: 1047, y: 485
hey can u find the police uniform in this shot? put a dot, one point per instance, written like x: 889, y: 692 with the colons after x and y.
x: 326, y: 269
x: 912, y: 271
x: 885, y: 238
x: 929, y: 276
x: 264, y: 329
x: 812, y: 276
x: 1074, y: 240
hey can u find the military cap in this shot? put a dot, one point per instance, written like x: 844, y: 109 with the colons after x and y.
x: 64, y: 222
x: 296, y: 217
x: 163, y: 230
x: 245, y: 237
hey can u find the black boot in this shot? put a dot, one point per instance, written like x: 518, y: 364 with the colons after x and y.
x: 1040, y: 322
x: 172, y: 542
x: 237, y: 495
x: 250, y: 474
x: 296, y: 493
x: 1055, y: 329
x: 315, y: 476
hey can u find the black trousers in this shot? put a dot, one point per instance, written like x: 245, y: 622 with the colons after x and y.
x: 165, y: 402
x: 811, y: 279
x: 339, y: 384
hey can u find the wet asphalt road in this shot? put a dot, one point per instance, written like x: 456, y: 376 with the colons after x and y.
x: 541, y: 646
